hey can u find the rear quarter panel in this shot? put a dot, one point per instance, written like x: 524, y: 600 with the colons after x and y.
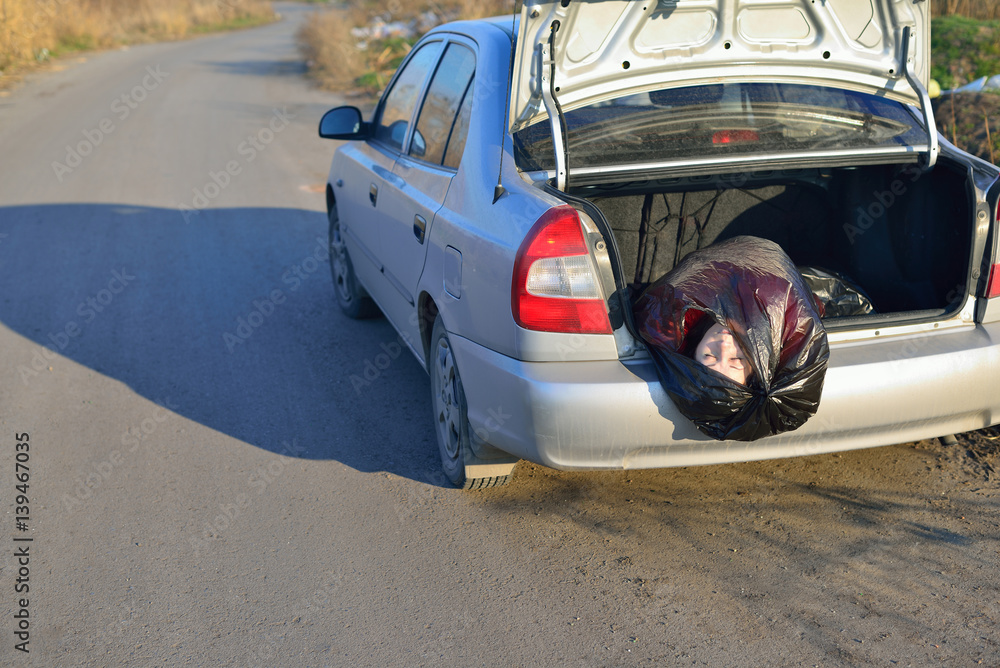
x: 487, y: 234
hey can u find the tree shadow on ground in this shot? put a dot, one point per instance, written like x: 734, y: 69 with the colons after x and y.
x: 226, y: 316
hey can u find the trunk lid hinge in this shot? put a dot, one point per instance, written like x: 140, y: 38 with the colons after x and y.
x: 925, y: 99
x: 552, y: 106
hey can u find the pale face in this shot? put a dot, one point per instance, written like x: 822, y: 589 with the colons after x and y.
x: 718, y: 350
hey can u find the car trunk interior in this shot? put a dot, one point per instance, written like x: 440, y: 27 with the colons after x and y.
x: 902, y: 235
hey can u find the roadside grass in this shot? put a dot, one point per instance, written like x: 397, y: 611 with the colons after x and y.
x: 34, y: 31
x: 331, y: 53
x: 235, y: 23
x: 964, y: 49
x: 339, y: 60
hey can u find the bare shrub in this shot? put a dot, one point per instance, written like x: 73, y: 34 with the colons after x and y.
x: 974, y: 9
x: 330, y: 49
x: 340, y: 60
x: 470, y: 9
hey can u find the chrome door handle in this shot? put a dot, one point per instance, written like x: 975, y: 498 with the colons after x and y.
x: 373, y: 194
x: 419, y: 225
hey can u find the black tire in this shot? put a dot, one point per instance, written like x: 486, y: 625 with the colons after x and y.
x: 451, y: 419
x: 351, y: 297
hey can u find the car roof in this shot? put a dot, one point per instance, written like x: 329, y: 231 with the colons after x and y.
x: 506, y: 24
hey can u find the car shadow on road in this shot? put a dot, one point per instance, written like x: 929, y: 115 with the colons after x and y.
x: 227, y: 317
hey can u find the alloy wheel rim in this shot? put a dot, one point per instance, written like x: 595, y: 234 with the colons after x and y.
x: 338, y: 256
x: 447, y: 395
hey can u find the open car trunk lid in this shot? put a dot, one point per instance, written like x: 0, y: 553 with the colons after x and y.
x: 606, y: 48
x: 572, y: 53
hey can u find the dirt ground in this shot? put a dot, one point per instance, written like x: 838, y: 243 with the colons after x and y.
x: 971, y: 121
x: 977, y: 452
x: 879, y: 557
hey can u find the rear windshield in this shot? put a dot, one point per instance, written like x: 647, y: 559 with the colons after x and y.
x: 702, y: 122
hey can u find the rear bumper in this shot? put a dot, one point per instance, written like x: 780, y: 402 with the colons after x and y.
x: 614, y: 415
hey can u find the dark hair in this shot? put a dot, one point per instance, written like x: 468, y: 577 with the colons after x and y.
x: 695, y: 331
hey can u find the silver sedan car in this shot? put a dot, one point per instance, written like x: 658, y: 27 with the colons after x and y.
x: 523, y: 178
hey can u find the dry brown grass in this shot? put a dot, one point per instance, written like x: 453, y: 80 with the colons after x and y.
x: 338, y: 62
x: 329, y: 48
x: 450, y: 10
x: 31, y: 30
x: 471, y: 9
x: 986, y: 10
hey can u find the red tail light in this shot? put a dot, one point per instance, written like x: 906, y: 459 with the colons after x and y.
x: 993, y: 281
x: 555, y: 286
x: 993, y: 285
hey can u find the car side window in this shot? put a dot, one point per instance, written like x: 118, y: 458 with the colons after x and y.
x: 437, y: 120
x: 456, y: 144
x: 397, y: 110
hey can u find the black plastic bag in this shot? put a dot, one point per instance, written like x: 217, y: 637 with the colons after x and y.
x: 750, y: 286
x: 838, y: 295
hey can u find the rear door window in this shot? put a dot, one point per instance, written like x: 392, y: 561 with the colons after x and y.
x: 456, y: 144
x: 437, y: 126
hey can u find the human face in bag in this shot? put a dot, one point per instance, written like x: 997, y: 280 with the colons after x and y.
x: 718, y: 350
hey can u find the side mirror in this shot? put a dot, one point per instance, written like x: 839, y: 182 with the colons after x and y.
x: 343, y: 123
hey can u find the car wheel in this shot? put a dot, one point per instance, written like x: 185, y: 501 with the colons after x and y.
x: 351, y: 297
x: 451, y: 421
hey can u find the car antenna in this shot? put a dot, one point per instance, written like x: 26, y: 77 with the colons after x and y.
x: 499, y: 191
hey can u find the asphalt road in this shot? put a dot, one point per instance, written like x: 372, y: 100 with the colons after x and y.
x: 207, y: 486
